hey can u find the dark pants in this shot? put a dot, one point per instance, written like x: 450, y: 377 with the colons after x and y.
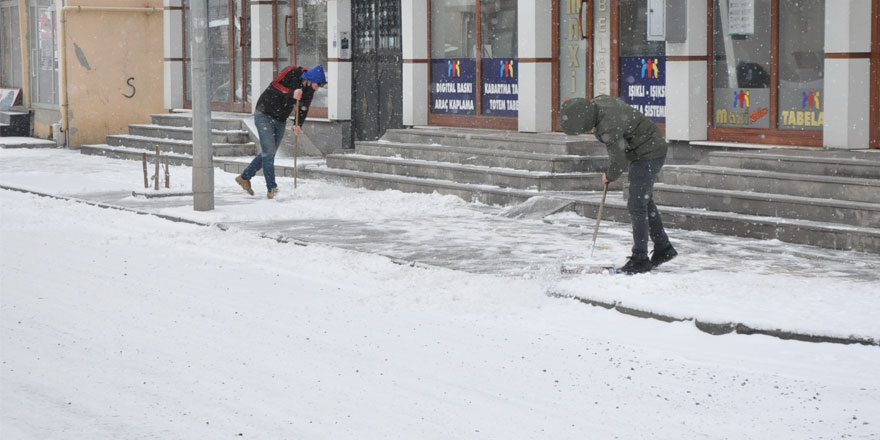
x: 643, y: 212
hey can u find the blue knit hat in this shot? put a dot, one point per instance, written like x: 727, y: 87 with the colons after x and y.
x: 316, y: 75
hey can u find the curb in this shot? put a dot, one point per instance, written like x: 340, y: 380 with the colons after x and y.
x: 715, y: 329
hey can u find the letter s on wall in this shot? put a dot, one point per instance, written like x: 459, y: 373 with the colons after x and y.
x: 133, y: 89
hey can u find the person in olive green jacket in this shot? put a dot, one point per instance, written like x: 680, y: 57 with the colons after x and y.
x: 636, y: 144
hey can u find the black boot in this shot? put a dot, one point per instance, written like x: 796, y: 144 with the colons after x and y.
x: 661, y: 256
x: 637, y: 264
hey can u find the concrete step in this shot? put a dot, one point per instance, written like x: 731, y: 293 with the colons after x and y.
x: 793, y: 184
x: 185, y: 133
x: 469, y: 174
x: 185, y: 120
x: 859, y: 164
x: 488, y: 194
x: 826, y: 235
x: 127, y: 153
x: 497, y: 158
x: 179, y: 146
x: 858, y: 214
x: 14, y: 124
x: 547, y: 143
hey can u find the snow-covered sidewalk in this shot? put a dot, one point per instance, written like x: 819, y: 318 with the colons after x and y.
x: 117, y: 325
x: 716, y: 280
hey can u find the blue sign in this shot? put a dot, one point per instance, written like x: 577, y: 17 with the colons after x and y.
x: 500, y: 86
x: 454, y: 86
x: 643, y: 85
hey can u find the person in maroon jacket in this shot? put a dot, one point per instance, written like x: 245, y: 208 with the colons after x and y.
x: 273, y: 108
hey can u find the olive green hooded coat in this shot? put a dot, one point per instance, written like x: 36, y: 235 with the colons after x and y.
x: 628, y: 135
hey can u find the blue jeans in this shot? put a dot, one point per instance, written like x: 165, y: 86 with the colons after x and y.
x: 271, y: 131
x: 646, y: 222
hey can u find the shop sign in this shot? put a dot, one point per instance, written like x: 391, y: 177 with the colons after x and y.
x: 743, y: 107
x: 602, y: 48
x: 500, y: 86
x: 643, y: 85
x: 741, y: 14
x: 801, y: 108
x: 454, y: 86
x: 572, y: 53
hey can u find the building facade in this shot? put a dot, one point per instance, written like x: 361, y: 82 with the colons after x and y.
x: 84, y: 66
x: 767, y: 72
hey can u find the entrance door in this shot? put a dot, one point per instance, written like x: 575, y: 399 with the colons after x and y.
x: 44, y: 56
x: 377, y: 68
x: 229, y: 55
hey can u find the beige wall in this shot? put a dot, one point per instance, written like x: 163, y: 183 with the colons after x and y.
x: 107, y: 54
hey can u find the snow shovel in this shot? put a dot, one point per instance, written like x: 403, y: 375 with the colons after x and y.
x: 577, y: 268
x: 295, y: 143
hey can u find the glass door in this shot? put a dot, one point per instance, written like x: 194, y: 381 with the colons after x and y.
x: 44, y: 53
x: 301, y: 39
x: 228, y: 57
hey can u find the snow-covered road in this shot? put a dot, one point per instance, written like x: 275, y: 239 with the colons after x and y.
x: 115, y: 325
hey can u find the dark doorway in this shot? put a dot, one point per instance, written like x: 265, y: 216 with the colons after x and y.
x: 377, y: 69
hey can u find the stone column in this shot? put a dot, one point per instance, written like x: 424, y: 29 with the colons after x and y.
x: 338, y: 61
x: 847, y: 74
x: 535, y: 36
x: 687, y: 81
x: 262, y: 50
x: 173, y: 53
x: 416, y: 62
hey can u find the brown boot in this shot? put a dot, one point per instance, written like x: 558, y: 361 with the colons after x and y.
x: 246, y: 184
x: 271, y: 193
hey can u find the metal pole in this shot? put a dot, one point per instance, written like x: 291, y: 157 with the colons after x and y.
x: 295, y: 143
x: 203, y: 161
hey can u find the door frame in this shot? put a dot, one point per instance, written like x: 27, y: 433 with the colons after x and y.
x: 244, y: 18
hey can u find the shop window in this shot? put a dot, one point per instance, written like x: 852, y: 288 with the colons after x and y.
x: 453, y: 57
x: 471, y: 74
x: 10, y: 49
x: 768, y: 71
x: 311, y: 40
x: 801, y: 64
x: 642, y: 63
x: 500, y: 69
x: 741, y: 63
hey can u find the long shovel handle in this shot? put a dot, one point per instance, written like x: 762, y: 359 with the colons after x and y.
x: 295, y: 143
x: 598, y: 219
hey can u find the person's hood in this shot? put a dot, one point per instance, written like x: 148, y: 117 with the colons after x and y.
x: 577, y: 116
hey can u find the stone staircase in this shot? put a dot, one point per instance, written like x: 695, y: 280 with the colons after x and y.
x: 478, y: 165
x: 809, y: 196
x: 172, y: 134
